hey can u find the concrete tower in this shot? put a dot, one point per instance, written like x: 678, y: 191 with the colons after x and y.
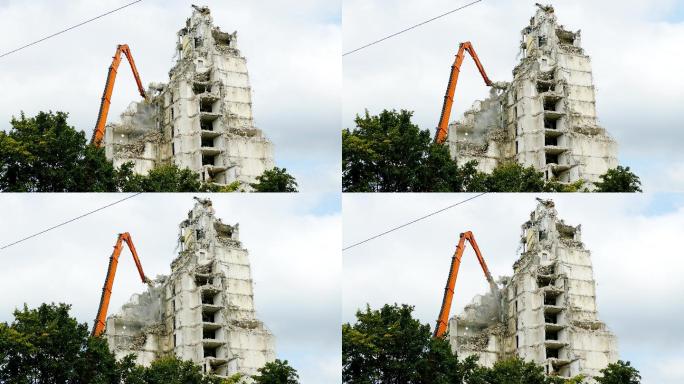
x: 546, y: 117
x: 546, y: 312
x: 202, y: 119
x: 204, y: 311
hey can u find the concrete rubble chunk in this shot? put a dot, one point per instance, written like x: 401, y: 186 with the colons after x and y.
x: 203, y: 311
x: 546, y: 312
x: 546, y: 117
x: 202, y: 119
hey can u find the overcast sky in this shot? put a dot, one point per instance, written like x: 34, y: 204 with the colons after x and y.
x: 294, y: 254
x: 292, y: 48
x: 634, y: 241
x: 634, y: 45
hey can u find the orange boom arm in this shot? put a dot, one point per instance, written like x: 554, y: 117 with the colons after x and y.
x: 99, y: 326
x: 99, y: 132
x: 443, y: 127
x: 443, y: 318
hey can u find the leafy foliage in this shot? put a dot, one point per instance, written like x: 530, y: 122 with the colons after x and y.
x: 46, y: 345
x: 619, y: 373
x: 390, y: 346
x: 275, y: 180
x: 513, y: 371
x: 620, y: 179
x: 165, y: 178
x: 277, y: 372
x: 45, y: 154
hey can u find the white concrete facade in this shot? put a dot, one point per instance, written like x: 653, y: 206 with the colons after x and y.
x: 202, y: 119
x: 204, y: 311
x: 546, y: 117
x: 546, y: 312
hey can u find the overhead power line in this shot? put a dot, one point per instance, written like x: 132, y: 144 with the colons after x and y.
x: 411, y: 27
x: 412, y: 222
x: 69, y: 29
x: 69, y: 221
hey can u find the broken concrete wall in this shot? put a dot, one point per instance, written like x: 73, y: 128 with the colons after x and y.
x: 546, y: 116
x: 547, y: 312
x: 204, y: 310
x: 202, y: 119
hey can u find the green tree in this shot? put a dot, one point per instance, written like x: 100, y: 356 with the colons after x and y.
x: 277, y: 372
x: 275, y: 180
x: 388, y: 153
x: 45, y: 154
x: 170, y: 370
x: 45, y: 345
x: 513, y: 177
x: 620, y: 179
x: 619, y: 373
x: 165, y: 178
x: 513, y: 371
x: 390, y: 346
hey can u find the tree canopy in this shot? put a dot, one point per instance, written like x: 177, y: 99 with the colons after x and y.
x: 276, y: 372
x: 275, y: 180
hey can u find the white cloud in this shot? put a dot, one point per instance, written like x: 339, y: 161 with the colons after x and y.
x: 632, y: 238
x: 294, y: 256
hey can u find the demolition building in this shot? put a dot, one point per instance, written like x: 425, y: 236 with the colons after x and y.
x: 546, y: 312
x: 544, y: 118
x: 202, y: 119
x: 203, y: 311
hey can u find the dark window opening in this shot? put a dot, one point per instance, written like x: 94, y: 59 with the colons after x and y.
x: 198, y: 42
x: 544, y: 86
x: 544, y: 281
x: 551, y: 318
x: 208, y: 317
x: 172, y: 113
x: 201, y: 88
x: 199, y: 234
x: 517, y: 342
x: 551, y: 335
x: 553, y: 141
x: 208, y: 298
x: 209, y: 334
x: 208, y: 159
x: 551, y: 159
x: 206, y: 125
x: 207, y: 142
x: 550, y: 123
x: 542, y: 41
x: 549, y: 104
x: 174, y: 340
x: 209, y: 352
x: 551, y: 353
x: 202, y: 280
x: 173, y: 148
x: 206, y: 106
x: 516, y: 148
x: 542, y: 235
x: 549, y: 300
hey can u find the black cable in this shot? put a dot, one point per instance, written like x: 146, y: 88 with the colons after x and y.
x: 410, y: 28
x: 70, y: 28
x: 69, y: 221
x: 412, y: 222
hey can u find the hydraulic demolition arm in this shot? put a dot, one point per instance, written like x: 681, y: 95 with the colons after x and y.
x: 99, y: 326
x: 99, y: 132
x: 443, y: 127
x: 443, y: 318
